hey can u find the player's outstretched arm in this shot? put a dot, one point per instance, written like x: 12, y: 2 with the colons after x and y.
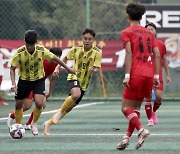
x: 168, y: 78
x: 128, y: 63
x: 60, y: 62
x: 51, y: 85
x: 157, y: 66
x: 12, y: 75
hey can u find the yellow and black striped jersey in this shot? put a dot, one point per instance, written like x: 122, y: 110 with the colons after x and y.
x: 31, y: 65
x: 83, y: 60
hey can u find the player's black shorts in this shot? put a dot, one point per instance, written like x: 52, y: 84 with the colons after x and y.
x: 74, y: 83
x: 25, y: 87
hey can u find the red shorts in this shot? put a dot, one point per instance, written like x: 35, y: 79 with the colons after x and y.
x: 31, y: 95
x: 140, y: 87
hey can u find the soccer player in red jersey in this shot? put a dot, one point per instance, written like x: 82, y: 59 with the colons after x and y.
x: 139, y: 45
x: 49, y: 67
x: 151, y: 111
x: 2, y: 54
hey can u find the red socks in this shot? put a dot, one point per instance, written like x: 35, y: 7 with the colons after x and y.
x: 148, y: 109
x: 12, y: 115
x: 157, y: 104
x: 131, y: 127
x: 30, y: 119
x: 134, y: 122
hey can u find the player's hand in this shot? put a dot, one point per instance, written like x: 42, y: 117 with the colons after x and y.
x: 93, y: 69
x: 14, y: 88
x: 47, y: 95
x: 56, y: 73
x: 126, y: 82
x: 156, y: 83
x: 168, y: 80
x: 72, y: 70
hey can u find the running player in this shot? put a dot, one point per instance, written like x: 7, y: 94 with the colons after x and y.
x: 87, y: 60
x: 151, y: 111
x: 139, y: 71
x: 49, y: 67
x: 2, y: 54
x: 29, y: 58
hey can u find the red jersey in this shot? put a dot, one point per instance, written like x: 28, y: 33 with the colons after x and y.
x: 142, y: 44
x: 48, y: 68
x: 162, y: 51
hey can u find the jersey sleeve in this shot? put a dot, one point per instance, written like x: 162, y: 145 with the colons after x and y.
x: 70, y: 54
x: 15, y: 60
x: 125, y: 38
x: 98, y: 58
x: 47, y: 54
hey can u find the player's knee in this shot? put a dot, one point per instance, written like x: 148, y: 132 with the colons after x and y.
x: 44, y: 105
x: 39, y: 105
x: 76, y: 96
x: 123, y: 109
x: 158, y: 99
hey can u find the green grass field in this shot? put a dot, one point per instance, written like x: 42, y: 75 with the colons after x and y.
x: 89, y: 129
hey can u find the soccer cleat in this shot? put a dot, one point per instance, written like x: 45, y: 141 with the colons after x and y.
x: 34, y: 129
x: 3, y: 103
x: 155, y: 119
x: 46, y: 129
x: 27, y: 127
x: 141, y: 138
x: 123, y: 144
x: 10, y: 121
x: 150, y: 122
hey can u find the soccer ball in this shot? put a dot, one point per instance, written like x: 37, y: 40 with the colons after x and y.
x: 17, y: 131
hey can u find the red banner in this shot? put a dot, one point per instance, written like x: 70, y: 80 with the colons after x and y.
x: 113, y: 53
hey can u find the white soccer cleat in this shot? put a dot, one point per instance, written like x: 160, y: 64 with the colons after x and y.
x: 123, y: 144
x: 10, y: 121
x: 34, y: 129
x: 27, y: 127
x: 141, y: 138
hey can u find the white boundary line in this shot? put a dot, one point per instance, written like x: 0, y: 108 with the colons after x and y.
x: 29, y: 135
x: 53, y: 111
x: 110, y: 134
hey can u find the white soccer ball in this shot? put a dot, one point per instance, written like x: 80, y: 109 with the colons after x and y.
x: 17, y: 131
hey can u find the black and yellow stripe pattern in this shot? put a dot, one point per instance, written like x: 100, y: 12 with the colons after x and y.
x: 31, y: 65
x: 82, y: 62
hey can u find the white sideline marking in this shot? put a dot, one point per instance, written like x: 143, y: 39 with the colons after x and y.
x: 29, y: 135
x: 53, y: 111
x: 110, y: 134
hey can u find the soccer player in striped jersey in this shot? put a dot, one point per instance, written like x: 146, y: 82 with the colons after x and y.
x: 29, y: 58
x: 87, y: 60
x: 49, y: 67
x: 139, y: 44
x: 151, y: 111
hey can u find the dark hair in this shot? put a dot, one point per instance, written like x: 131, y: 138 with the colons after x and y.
x: 56, y: 50
x: 89, y: 30
x: 135, y: 10
x: 31, y: 36
x: 151, y: 24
